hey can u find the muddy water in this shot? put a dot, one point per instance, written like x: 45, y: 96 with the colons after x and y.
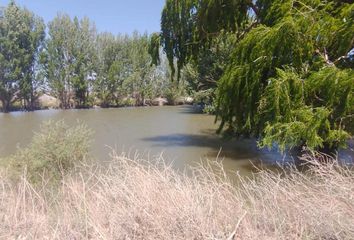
x: 181, y: 134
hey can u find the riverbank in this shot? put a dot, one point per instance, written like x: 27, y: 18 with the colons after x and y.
x: 52, y: 190
x: 47, y: 102
x: 135, y: 199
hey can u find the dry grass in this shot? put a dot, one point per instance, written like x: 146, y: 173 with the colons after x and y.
x: 133, y: 199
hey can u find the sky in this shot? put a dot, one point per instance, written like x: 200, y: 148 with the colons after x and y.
x: 115, y: 16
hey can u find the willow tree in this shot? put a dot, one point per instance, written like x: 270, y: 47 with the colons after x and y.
x: 289, y: 78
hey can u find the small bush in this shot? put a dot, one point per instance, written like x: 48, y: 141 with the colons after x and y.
x: 127, y: 102
x: 173, y: 93
x: 54, y: 150
x: 209, y: 109
x: 204, y: 97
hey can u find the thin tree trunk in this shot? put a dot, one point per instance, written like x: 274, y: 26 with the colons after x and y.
x: 31, y: 101
x: 5, y: 105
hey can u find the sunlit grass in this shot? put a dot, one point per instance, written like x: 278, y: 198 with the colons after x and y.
x: 136, y: 199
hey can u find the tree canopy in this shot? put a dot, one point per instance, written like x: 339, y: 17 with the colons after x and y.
x: 289, y: 75
x: 68, y: 59
x: 21, y: 38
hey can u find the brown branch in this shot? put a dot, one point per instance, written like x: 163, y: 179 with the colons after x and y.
x: 338, y: 59
x: 249, y: 28
x: 325, y: 56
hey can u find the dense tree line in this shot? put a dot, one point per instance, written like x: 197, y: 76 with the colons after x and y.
x: 287, y: 75
x: 73, y: 62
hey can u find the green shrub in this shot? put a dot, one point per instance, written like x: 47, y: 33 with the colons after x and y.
x: 127, y: 102
x: 53, y: 151
x: 171, y: 96
x: 205, y: 97
x: 209, y: 109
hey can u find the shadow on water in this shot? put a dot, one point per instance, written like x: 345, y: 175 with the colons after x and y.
x: 191, y: 109
x: 247, y: 147
x: 236, y: 149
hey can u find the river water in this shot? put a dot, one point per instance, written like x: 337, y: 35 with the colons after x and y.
x: 180, y: 133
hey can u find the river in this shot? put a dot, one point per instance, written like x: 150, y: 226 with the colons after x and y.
x: 180, y: 133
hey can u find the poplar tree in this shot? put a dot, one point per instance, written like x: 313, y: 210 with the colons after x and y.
x: 85, y: 65
x: 69, y: 59
x: 140, y: 79
x: 21, y: 38
x: 112, y: 52
x: 125, y: 69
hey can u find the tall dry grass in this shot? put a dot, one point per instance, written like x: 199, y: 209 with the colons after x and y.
x: 134, y: 199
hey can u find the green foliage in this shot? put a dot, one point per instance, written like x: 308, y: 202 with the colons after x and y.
x: 142, y: 72
x: 21, y: 37
x: 69, y: 59
x: 334, y: 89
x: 154, y: 48
x: 127, y: 102
x: 189, y: 26
x: 315, y: 111
x: 309, y: 127
x: 172, y: 93
x: 203, y: 73
x: 85, y: 65
x: 209, y: 109
x: 74, y: 64
x: 112, y: 55
x: 77, y: 64
x: 177, y: 32
x: 125, y: 69
x: 287, y: 79
x: 53, y: 151
x: 252, y: 65
x: 204, y: 97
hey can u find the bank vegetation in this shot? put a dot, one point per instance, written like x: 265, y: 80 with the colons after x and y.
x: 65, y: 196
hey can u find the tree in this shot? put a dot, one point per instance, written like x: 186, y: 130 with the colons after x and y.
x: 68, y: 60
x: 21, y: 37
x: 58, y: 58
x: 125, y: 69
x: 32, y: 43
x: 85, y: 60
x: 113, y: 58
x: 283, y: 55
x: 140, y: 80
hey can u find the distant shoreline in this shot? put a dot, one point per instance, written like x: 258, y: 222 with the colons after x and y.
x: 49, y: 105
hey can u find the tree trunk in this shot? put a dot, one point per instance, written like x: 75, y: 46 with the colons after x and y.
x: 5, y: 105
x: 31, y: 102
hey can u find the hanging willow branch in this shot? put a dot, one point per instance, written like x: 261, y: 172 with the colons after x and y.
x: 288, y: 78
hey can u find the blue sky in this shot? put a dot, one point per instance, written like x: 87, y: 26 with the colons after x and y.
x: 116, y: 16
